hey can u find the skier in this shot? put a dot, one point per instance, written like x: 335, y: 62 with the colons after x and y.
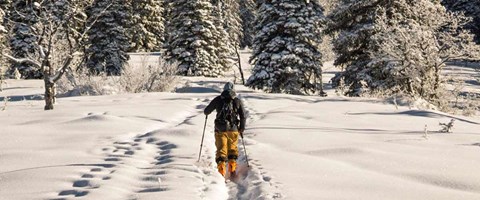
x: 229, y: 123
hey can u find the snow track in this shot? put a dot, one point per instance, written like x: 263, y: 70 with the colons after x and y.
x: 148, y: 165
x: 253, y: 182
x: 145, y: 146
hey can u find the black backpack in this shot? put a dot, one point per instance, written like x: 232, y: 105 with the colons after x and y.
x: 227, y: 117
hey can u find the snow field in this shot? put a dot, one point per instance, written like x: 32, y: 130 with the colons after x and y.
x: 145, y: 146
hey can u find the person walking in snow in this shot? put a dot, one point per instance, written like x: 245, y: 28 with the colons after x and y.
x: 229, y: 124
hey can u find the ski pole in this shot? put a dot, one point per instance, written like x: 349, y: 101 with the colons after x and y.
x: 245, y: 150
x: 203, y: 135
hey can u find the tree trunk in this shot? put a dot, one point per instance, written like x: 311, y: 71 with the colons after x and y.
x: 49, y: 93
x: 240, y: 65
x: 49, y: 86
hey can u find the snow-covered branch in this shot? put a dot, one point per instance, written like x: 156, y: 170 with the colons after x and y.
x: 23, y: 60
x: 62, y: 70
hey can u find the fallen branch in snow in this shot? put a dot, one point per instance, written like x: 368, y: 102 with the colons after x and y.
x: 447, y: 127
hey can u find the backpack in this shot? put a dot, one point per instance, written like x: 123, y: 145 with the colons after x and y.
x: 227, y: 117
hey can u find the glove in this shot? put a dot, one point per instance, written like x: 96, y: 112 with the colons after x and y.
x: 241, y: 133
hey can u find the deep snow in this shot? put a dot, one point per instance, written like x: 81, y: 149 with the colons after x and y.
x: 145, y: 146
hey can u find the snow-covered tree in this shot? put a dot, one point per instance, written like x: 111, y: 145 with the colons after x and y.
x: 227, y: 20
x: 470, y: 9
x: 58, y: 43
x: 147, y: 31
x: 285, y: 48
x: 394, y: 47
x: 248, y: 13
x: 330, y: 5
x: 24, y: 38
x: 5, y: 6
x: 3, y: 28
x: 193, y: 40
x: 108, y: 41
x: 3, y: 31
x: 232, y: 23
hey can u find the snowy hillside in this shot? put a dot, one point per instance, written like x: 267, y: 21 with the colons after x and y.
x: 145, y: 146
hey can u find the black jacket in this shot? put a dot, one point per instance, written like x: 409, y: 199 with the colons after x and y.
x: 217, y: 104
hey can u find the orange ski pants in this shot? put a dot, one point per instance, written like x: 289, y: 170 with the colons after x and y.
x: 226, y: 143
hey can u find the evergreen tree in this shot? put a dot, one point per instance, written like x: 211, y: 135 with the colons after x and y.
x: 5, y: 6
x: 232, y: 23
x: 227, y: 20
x: 396, y: 47
x: 3, y: 28
x: 285, y: 48
x: 248, y: 14
x: 3, y: 31
x: 354, y: 21
x: 470, y: 9
x: 23, y: 42
x: 108, y: 36
x: 147, y: 31
x: 193, y: 40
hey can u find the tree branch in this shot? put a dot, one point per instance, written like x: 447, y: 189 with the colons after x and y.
x: 62, y: 70
x: 23, y: 60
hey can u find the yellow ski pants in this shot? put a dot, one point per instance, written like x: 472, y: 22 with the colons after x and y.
x: 226, y: 143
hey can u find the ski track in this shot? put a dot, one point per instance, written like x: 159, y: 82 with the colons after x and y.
x: 253, y: 182
x: 136, y: 166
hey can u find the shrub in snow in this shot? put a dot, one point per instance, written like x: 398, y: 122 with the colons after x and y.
x: 160, y: 77
x: 134, y: 79
x: 460, y: 99
x: 193, y: 39
x: 285, y: 55
x: 107, y: 39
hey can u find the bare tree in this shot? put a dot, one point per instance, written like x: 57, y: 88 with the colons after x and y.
x: 59, y: 42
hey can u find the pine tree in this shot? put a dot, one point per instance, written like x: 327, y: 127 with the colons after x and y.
x: 248, y: 13
x: 285, y: 48
x: 147, y: 31
x: 396, y: 47
x: 232, y: 22
x: 5, y: 6
x: 108, y: 41
x: 23, y: 42
x: 470, y: 9
x: 227, y: 21
x: 3, y: 31
x: 3, y: 28
x: 193, y: 40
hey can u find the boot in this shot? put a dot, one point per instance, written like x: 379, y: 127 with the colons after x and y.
x: 221, y: 168
x: 232, y: 166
